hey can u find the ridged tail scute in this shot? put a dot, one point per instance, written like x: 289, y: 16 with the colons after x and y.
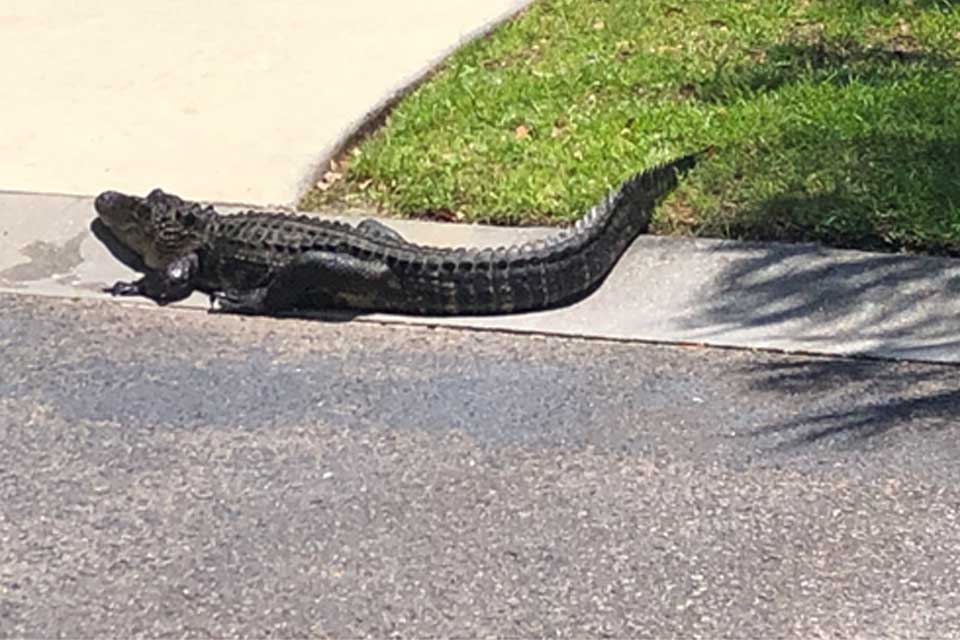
x: 659, y: 181
x: 601, y: 236
x: 625, y: 213
x: 638, y: 195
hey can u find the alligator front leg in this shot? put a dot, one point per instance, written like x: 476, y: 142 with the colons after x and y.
x: 377, y: 229
x: 316, y: 280
x: 163, y: 287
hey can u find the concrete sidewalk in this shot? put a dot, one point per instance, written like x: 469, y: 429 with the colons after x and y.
x: 233, y: 102
x: 785, y: 297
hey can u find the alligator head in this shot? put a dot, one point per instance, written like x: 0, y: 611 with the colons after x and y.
x: 158, y: 228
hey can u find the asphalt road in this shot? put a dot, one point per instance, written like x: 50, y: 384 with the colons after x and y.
x: 170, y: 473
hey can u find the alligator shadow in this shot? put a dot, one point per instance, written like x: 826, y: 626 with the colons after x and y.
x: 317, y: 315
x: 116, y: 248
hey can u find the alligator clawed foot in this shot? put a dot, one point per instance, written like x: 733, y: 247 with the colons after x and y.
x: 124, y: 289
x: 235, y: 302
x: 223, y: 301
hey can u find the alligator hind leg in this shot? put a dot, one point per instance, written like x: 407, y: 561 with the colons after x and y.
x: 378, y: 229
x: 274, y: 298
x: 239, y: 301
x: 317, y: 280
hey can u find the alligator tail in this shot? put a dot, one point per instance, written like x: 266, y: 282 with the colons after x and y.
x: 625, y: 213
x: 547, y: 273
x: 589, y: 251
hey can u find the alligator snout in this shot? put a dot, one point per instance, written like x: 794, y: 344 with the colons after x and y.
x: 111, y: 202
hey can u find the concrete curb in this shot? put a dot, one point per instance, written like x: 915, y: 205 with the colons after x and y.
x: 790, y: 298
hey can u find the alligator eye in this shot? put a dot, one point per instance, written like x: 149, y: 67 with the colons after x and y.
x: 188, y: 219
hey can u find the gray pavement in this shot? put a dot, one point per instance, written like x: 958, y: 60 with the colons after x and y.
x: 167, y: 473
x: 785, y: 297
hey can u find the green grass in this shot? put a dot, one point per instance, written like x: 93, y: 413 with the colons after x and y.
x: 835, y: 121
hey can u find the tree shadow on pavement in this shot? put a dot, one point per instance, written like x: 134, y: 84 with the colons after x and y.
x: 877, y: 397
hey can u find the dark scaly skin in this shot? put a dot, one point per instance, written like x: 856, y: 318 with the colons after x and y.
x: 268, y: 262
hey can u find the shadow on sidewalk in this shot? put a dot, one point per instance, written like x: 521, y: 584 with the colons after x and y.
x: 896, y: 305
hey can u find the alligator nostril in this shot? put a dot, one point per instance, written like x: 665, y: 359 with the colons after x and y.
x: 112, y: 201
x: 104, y: 201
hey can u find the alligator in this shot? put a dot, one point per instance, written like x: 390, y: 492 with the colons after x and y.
x: 275, y: 263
